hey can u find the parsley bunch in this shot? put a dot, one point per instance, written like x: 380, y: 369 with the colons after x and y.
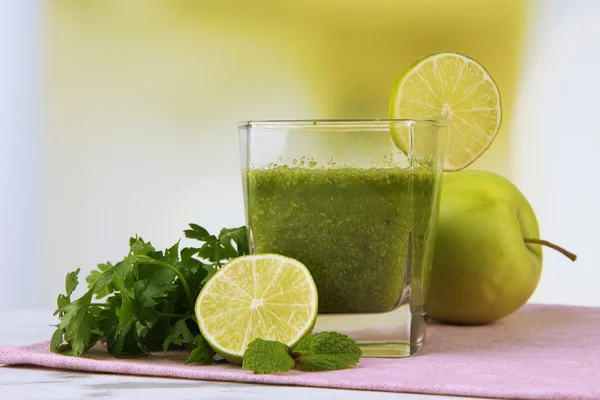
x: 145, y: 302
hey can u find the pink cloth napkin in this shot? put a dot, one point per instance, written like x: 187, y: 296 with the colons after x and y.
x: 541, y: 352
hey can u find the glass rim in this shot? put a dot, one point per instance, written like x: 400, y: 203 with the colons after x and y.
x: 336, y: 123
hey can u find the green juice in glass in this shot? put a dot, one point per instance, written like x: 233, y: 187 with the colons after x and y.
x: 356, y: 229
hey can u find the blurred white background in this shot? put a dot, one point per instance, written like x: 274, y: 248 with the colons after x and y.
x: 555, y: 143
x: 21, y: 152
x: 112, y: 126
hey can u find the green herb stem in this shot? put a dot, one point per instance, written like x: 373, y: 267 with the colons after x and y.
x: 217, y: 256
x: 186, y: 287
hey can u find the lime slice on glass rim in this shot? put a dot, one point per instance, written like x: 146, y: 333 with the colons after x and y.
x: 458, y: 90
x: 265, y: 296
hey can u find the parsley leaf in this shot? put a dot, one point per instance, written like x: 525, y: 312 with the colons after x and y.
x: 202, y: 352
x: 108, y: 322
x: 124, y: 342
x: 178, y: 334
x: 197, y: 232
x: 63, y: 300
x: 57, y: 339
x: 239, y: 236
x: 72, y: 281
x: 326, y: 351
x: 79, y: 326
x: 138, y: 247
x: 101, y: 281
x: 267, y: 356
x: 216, y: 249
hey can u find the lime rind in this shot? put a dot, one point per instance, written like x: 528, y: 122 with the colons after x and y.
x: 257, y: 304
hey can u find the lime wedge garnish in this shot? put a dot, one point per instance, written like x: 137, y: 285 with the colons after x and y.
x: 265, y: 296
x: 457, y: 89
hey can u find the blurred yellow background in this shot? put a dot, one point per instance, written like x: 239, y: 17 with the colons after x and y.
x: 192, y: 68
x: 143, y: 97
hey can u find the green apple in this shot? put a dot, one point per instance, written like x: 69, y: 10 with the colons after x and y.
x: 488, y: 256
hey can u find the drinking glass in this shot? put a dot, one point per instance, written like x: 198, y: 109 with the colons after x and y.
x: 356, y: 201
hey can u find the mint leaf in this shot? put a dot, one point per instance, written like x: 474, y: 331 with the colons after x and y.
x: 267, y: 356
x: 326, y: 351
x: 202, y: 352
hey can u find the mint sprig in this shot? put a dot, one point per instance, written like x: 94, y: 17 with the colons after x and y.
x: 324, y: 351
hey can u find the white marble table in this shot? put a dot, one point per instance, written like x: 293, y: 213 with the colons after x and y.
x: 28, y: 383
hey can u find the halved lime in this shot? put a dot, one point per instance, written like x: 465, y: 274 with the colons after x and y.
x: 455, y: 88
x: 265, y: 296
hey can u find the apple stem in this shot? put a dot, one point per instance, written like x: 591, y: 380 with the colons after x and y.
x: 567, y: 253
